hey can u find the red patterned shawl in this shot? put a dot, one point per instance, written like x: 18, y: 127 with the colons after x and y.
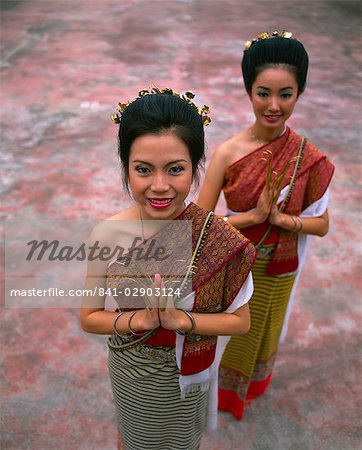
x: 222, y: 268
x: 245, y: 179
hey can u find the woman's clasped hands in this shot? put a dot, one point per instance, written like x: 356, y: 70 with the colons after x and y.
x: 266, y: 207
x: 160, y: 311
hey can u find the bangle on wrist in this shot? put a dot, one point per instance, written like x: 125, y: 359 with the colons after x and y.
x: 115, y: 324
x: 129, y: 324
x: 294, y: 224
x: 301, y: 224
x: 193, y: 324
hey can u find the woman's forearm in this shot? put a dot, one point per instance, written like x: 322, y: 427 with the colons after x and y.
x: 245, y: 219
x: 101, y: 321
x: 317, y: 226
x: 221, y: 324
x: 218, y: 324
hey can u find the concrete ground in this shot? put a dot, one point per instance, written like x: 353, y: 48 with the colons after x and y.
x: 64, y: 67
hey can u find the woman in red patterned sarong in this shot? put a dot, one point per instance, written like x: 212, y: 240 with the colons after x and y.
x: 276, y: 189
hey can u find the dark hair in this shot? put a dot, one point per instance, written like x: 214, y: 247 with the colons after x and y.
x: 275, y: 50
x: 156, y: 114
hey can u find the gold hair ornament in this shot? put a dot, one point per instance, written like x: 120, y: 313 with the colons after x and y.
x: 284, y: 34
x: 187, y: 97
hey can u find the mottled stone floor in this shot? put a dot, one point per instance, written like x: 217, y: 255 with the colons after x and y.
x: 64, y: 67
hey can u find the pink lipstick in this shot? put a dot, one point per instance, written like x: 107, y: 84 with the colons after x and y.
x: 159, y: 203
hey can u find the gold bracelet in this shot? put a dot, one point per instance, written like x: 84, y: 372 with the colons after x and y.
x: 193, y: 325
x: 129, y: 324
x: 301, y: 224
x: 295, y: 224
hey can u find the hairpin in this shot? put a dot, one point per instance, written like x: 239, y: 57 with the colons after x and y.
x: 187, y: 97
x: 284, y: 34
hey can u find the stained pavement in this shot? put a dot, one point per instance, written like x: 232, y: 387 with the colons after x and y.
x: 64, y: 67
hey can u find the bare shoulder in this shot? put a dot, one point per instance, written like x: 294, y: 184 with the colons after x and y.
x: 116, y: 230
x: 127, y: 214
x: 234, y: 148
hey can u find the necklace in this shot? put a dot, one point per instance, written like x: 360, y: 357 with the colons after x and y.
x: 258, y: 140
x: 142, y: 229
x: 255, y: 138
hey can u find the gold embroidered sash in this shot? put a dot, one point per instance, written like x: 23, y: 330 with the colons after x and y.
x: 221, y: 269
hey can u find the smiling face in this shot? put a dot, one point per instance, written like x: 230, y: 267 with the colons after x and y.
x: 274, y: 94
x: 160, y: 175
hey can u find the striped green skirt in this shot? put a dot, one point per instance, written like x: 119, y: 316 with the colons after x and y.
x: 248, y: 360
x: 150, y: 411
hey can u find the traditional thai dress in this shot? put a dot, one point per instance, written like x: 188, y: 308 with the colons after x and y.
x: 165, y: 387
x: 246, y: 366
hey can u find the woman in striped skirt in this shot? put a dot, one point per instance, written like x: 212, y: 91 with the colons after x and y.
x: 180, y: 275
x: 276, y: 189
